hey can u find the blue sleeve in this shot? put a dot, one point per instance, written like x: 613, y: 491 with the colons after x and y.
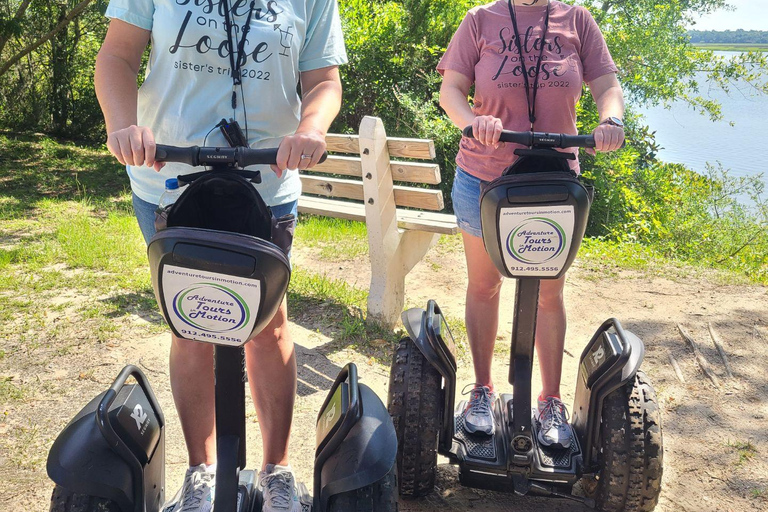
x: 324, y: 42
x: 135, y: 12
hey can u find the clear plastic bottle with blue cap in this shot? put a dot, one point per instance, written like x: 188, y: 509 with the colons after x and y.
x: 171, y: 194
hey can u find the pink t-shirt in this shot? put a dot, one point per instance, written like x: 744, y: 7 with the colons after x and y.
x: 484, y: 50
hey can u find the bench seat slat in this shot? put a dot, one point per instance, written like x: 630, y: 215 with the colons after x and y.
x: 411, y: 197
x: 399, y: 147
x: 443, y: 223
x: 409, y: 172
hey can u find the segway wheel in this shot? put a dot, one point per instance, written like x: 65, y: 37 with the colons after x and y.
x: 63, y: 500
x: 414, y: 404
x: 380, y: 496
x: 631, y: 450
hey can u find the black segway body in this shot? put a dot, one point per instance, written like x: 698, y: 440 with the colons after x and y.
x: 220, y: 271
x: 355, y: 448
x: 533, y: 220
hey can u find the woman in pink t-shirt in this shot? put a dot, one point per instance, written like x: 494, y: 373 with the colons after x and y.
x: 561, y: 48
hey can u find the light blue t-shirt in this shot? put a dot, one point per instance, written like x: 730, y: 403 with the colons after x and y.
x: 188, y: 84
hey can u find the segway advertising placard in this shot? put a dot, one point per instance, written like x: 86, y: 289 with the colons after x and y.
x: 206, y: 306
x: 536, y: 240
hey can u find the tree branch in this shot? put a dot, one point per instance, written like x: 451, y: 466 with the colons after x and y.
x: 19, y: 14
x: 74, y: 13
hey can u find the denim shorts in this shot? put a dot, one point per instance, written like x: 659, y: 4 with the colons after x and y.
x: 465, y: 195
x: 145, y: 215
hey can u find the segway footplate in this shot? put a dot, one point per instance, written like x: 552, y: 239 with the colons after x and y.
x: 476, y: 446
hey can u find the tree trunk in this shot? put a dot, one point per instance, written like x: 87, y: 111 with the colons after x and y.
x: 59, y: 100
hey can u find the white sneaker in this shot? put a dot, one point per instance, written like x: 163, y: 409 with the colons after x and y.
x: 278, y: 486
x: 197, y: 492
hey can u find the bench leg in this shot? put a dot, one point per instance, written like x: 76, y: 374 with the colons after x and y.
x: 387, y: 292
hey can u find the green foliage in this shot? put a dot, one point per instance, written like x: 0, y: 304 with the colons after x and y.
x: 649, y: 42
x: 393, y: 48
x: 50, y: 88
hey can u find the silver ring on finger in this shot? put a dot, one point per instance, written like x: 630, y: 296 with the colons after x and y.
x: 305, y: 156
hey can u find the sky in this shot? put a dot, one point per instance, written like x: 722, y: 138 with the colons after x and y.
x: 749, y: 15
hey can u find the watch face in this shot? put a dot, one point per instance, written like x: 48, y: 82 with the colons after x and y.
x: 615, y: 121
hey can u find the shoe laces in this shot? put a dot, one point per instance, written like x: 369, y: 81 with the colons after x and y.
x: 480, y: 400
x: 554, y: 413
x: 194, y: 490
x: 279, y: 486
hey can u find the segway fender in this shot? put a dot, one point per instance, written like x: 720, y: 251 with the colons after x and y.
x: 429, y: 332
x: 114, y: 448
x: 82, y: 461
x: 366, y: 454
x: 610, y: 360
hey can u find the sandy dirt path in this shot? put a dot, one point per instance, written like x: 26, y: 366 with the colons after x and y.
x: 716, y: 441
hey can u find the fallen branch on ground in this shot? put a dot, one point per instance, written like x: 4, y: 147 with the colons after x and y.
x: 719, y: 347
x: 676, y: 367
x: 703, y: 364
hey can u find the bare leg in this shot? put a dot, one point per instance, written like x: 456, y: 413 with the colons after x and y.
x: 191, y: 371
x: 271, y: 363
x: 550, y: 334
x: 482, y: 311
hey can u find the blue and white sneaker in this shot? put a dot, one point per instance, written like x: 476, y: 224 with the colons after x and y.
x: 478, y: 414
x: 197, y: 492
x: 279, y: 488
x: 554, y: 430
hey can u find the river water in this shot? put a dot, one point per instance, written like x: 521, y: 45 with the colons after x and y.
x: 738, y: 142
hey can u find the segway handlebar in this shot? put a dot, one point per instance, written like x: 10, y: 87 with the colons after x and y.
x: 542, y: 139
x: 239, y: 157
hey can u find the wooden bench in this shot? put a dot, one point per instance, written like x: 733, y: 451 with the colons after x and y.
x: 398, y: 238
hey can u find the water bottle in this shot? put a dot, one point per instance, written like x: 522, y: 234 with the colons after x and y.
x: 171, y: 194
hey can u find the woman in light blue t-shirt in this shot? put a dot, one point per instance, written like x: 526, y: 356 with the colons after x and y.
x: 190, y: 82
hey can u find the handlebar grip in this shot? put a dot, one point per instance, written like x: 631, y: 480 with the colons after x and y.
x: 577, y: 141
x: 523, y: 138
x: 189, y: 155
x: 266, y: 156
x: 248, y: 156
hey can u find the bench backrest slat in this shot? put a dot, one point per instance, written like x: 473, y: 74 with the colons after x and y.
x: 423, y: 149
x: 410, y: 172
x: 411, y: 197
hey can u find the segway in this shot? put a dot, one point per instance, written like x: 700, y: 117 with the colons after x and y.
x: 219, y: 277
x: 533, y: 220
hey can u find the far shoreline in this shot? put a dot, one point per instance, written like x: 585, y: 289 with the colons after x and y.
x: 733, y: 47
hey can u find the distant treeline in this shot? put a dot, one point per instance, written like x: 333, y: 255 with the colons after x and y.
x: 729, y: 36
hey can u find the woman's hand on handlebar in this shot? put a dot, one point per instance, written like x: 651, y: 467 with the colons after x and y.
x: 134, y: 145
x: 487, y: 130
x: 301, y: 150
x: 607, y: 138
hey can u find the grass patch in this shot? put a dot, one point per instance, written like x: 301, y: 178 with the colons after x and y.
x: 337, y: 239
x: 604, y: 258
x: 596, y: 253
x: 746, y: 451
x: 307, y: 285
x: 10, y: 392
x: 72, y: 260
x: 339, y: 309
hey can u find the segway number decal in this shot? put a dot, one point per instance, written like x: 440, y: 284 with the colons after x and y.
x: 536, y: 241
x: 205, y: 306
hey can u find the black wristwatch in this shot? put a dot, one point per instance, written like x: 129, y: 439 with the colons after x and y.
x: 613, y: 121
